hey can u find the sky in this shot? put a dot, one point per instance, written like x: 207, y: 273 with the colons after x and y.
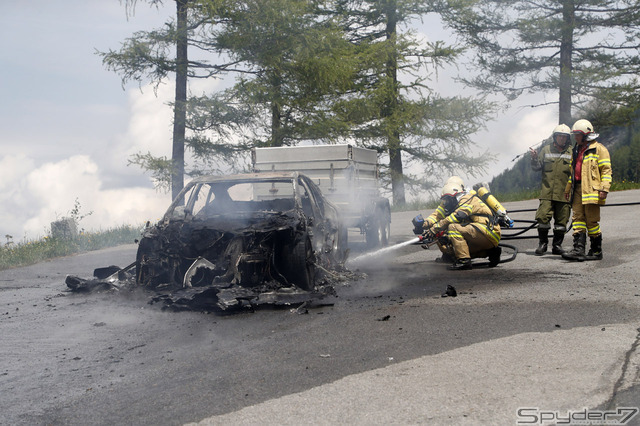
x: 68, y: 127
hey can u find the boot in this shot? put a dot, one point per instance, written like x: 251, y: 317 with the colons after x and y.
x: 595, y: 252
x: 577, y: 254
x: 494, y: 256
x: 446, y: 258
x: 558, y: 237
x: 460, y: 265
x: 543, y: 237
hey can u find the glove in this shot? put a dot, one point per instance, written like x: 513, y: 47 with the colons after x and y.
x: 430, y: 233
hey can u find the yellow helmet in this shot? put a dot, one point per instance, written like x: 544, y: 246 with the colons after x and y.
x: 582, y: 126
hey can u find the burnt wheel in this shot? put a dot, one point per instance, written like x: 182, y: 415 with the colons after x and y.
x: 300, y: 265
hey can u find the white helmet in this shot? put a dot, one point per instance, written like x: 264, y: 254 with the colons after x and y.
x: 562, y: 129
x: 584, y: 127
x: 456, y: 180
x: 451, y: 189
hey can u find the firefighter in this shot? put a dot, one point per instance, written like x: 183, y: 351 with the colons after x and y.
x: 421, y: 225
x: 469, y: 225
x: 588, y: 186
x: 554, y: 161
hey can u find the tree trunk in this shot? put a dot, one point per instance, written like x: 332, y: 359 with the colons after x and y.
x: 179, y: 112
x: 566, y: 66
x: 393, y: 138
x: 276, y: 125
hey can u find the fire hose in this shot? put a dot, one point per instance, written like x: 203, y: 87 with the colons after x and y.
x: 428, y: 241
x: 534, y: 224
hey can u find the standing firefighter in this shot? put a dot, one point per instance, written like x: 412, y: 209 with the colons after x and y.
x: 554, y: 161
x: 470, y: 226
x: 588, y: 185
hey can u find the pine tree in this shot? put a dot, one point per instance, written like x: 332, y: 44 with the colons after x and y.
x: 574, y: 49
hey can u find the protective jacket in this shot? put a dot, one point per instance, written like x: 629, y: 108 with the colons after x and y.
x: 555, y: 165
x: 471, y: 211
x: 434, y: 217
x: 595, y: 174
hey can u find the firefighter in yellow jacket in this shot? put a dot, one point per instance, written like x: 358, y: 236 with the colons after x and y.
x: 589, y: 185
x: 469, y: 225
x: 421, y: 224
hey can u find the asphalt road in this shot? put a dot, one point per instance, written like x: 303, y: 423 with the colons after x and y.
x: 538, y: 334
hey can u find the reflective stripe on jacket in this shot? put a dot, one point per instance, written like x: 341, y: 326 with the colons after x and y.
x: 471, y: 210
x: 595, y: 175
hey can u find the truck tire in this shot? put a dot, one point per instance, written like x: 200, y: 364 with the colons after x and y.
x: 377, y: 232
x: 372, y: 233
x: 383, y: 231
x: 385, y: 225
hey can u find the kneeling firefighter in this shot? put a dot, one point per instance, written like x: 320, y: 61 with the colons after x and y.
x: 472, y: 228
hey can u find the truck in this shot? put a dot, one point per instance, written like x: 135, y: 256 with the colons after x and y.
x: 347, y: 175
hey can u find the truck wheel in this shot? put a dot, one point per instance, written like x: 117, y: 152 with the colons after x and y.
x: 377, y: 234
x: 383, y: 232
x: 385, y: 226
x: 372, y: 234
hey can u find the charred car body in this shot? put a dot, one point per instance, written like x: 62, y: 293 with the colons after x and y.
x: 243, y: 239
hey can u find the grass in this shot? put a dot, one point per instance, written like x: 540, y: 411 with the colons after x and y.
x: 31, y: 252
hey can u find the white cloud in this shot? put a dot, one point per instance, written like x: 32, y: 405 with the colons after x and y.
x: 53, y: 189
x: 150, y: 122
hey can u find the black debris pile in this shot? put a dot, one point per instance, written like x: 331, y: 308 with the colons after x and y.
x: 109, y: 278
x: 208, y: 294
x: 450, y: 292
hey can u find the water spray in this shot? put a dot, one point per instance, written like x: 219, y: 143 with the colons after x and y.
x: 388, y: 249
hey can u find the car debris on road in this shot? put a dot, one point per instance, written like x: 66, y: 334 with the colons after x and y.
x: 238, y: 241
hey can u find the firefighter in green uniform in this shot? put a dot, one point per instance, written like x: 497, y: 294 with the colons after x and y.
x: 469, y: 226
x: 554, y: 161
x: 588, y: 186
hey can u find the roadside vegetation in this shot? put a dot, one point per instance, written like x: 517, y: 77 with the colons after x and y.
x: 29, y: 252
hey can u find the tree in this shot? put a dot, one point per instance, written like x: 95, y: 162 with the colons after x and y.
x: 336, y: 70
x: 392, y: 106
x: 148, y: 56
x: 314, y: 70
x: 579, y: 49
x: 291, y: 63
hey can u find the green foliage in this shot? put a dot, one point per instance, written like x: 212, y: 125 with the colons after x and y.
x: 311, y: 71
x: 550, y: 45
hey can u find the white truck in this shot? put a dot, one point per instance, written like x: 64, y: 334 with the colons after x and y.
x: 348, y: 177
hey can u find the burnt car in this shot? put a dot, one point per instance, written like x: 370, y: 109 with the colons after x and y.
x: 241, y: 236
